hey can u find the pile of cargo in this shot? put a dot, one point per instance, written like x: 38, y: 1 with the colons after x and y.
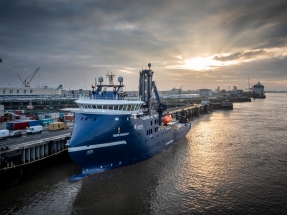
x: 43, y: 118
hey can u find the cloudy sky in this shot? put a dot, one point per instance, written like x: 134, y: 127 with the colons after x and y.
x: 190, y: 44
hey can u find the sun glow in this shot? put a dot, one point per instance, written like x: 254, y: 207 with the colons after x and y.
x: 200, y: 63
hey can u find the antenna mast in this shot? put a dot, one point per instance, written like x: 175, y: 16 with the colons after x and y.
x: 248, y: 84
x: 111, y: 78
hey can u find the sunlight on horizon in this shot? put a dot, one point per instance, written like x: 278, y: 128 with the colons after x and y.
x: 200, y: 63
x: 203, y: 63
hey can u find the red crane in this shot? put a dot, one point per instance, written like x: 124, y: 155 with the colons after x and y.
x: 27, y: 81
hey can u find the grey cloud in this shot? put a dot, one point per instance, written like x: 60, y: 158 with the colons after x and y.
x: 68, y: 39
x: 241, y: 55
x: 273, y: 42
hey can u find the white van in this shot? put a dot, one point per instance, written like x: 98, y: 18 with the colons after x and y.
x: 34, y: 129
x: 4, y: 134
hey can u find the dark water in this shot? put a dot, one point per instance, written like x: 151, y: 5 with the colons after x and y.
x: 232, y: 162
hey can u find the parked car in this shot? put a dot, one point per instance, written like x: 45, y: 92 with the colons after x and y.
x: 16, y: 133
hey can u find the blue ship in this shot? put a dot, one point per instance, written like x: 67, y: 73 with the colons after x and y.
x: 113, y: 130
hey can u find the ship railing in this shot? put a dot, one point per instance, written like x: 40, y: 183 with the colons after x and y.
x: 136, y: 98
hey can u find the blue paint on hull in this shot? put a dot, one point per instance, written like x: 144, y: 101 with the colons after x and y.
x: 100, y: 142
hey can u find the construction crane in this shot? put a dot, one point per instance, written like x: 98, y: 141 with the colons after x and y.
x: 27, y: 81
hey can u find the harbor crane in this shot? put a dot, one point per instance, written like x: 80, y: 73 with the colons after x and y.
x: 28, y: 80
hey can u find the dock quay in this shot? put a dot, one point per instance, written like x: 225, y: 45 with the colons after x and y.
x: 20, y: 157
x: 30, y: 153
x: 59, y: 103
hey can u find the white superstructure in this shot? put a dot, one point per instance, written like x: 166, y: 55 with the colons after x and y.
x: 258, y: 88
x: 110, y: 106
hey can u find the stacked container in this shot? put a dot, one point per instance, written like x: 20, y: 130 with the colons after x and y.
x: 21, y: 124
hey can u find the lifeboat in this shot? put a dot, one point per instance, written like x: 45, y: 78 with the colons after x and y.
x: 166, y: 119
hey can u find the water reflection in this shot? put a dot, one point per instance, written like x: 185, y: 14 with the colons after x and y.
x: 43, y: 193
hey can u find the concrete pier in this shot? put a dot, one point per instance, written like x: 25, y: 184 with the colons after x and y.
x: 17, y: 157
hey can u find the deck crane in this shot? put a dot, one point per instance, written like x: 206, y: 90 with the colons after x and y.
x: 27, y: 81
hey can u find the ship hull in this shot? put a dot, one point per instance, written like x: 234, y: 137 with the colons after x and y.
x: 102, y: 142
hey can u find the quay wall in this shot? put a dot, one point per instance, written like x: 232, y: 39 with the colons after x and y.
x: 15, y: 159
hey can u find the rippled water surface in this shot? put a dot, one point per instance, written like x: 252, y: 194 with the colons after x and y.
x: 231, y: 162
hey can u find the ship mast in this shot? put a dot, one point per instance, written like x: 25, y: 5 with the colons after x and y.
x: 111, y: 78
x: 248, y: 84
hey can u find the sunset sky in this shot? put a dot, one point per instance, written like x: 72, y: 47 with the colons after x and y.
x: 191, y: 44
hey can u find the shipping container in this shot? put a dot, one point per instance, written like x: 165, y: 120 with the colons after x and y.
x: 15, y: 125
x: 69, y: 118
x: 9, y: 125
x: 18, y: 112
x: 33, y: 122
x: 57, y: 126
x: 19, y: 125
x: 46, y: 121
x: 30, y: 122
